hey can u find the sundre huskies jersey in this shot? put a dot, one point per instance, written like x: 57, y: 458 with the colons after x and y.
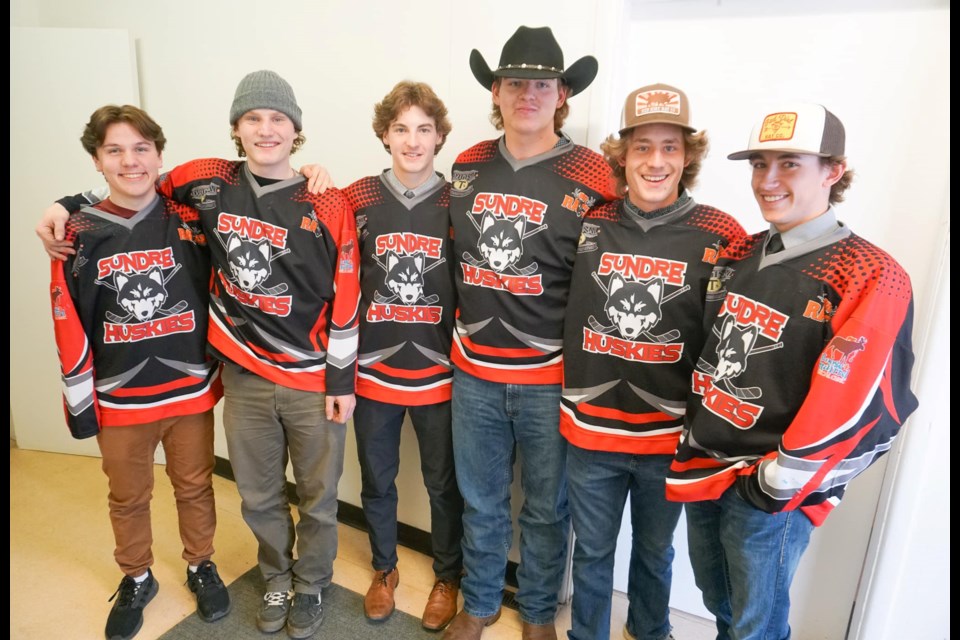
x: 634, y: 324
x: 408, y: 297
x: 130, y: 318
x: 804, y: 378
x: 516, y: 226
x: 285, y: 292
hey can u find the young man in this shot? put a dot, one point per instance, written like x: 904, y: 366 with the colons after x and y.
x: 406, y: 325
x: 284, y: 299
x: 804, y: 380
x: 130, y: 318
x: 632, y: 333
x: 516, y: 208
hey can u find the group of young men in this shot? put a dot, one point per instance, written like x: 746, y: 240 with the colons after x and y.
x: 578, y: 309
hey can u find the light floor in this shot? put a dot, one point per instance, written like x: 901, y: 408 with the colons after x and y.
x: 62, y: 571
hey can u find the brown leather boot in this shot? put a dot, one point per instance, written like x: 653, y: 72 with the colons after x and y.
x: 468, y: 627
x: 378, y: 603
x: 539, y: 631
x: 441, y: 605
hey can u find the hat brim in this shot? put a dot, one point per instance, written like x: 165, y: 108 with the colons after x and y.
x: 577, y: 76
x: 745, y: 155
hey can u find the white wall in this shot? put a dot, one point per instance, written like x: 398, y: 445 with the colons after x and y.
x: 885, y: 73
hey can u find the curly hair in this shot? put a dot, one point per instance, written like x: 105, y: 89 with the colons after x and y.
x: 406, y: 94
x: 841, y: 185
x: 695, y: 147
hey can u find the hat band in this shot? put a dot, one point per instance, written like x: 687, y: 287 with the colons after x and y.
x: 538, y: 67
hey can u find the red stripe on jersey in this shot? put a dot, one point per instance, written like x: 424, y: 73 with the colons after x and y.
x: 410, y: 374
x: 296, y: 379
x: 546, y: 374
x: 636, y: 443
x: 370, y: 389
x: 125, y: 392
x: 110, y: 417
x: 623, y: 416
x: 709, y: 488
x: 499, y: 352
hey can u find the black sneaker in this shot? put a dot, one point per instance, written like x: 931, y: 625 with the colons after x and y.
x: 126, y: 616
x: 213, y: 600
x: 272, y: 615
x: 305, y: 617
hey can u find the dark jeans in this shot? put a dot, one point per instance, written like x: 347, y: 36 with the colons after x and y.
x: 378, y: 427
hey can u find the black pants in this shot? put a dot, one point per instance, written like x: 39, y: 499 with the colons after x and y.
x: 378, y: 426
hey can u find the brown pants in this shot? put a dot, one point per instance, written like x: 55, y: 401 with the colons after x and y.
x: 128, y: 454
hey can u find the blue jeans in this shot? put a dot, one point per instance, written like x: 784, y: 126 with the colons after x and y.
x: 491, y: 422
x: 598, y: 483
x: 744, y: 560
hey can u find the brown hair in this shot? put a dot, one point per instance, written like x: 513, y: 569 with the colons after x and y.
x: 559, y: 116
x: 406, y: 94
x: 695, y: 147
x: 95, y: 132
x: 841, y: 185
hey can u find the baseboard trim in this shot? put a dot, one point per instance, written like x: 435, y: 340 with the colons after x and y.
x: 352, y: 515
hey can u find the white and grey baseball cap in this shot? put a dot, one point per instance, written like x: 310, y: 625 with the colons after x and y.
x: 796, y: 128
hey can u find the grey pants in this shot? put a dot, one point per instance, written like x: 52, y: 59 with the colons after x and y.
x: 266, y: 425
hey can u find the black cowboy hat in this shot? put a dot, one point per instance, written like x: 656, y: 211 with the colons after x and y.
x: 534, y: 53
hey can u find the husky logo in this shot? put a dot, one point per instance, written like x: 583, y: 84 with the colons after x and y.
x: 405, y: 279
x: 737, y: 343
x: 141, y: 295
x: 633, y: 307
x: 734, y: 347
x: 249, y: 261
x: 405, y: 276
x: 460, y: 185
x: 501, y: 240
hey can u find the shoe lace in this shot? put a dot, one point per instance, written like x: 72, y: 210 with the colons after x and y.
x: 275, y: 598
x: 128, y: 590
x: 443, y: 586
x: 205, y: 575
x: 382, y: 577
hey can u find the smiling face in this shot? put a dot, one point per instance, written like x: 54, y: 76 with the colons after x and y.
x: 267, y: 137
x: 654, y: 164
x: 528, y: 105
x: 130, y: 163
x: 412, y: 139
x: 792, y: 188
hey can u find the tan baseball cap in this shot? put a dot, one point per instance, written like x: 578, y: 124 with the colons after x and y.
x: 656, y: 104
x: 796, y: 128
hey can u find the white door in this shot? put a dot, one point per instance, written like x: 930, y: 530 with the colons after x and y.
x: 58, y: 77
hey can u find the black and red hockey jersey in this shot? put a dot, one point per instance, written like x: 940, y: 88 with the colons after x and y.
x: 516, y: 226
x: 805, y: 378
x: 634, y: 324
x: 285, y: 290
x: 130, y: 318
x: 408, y: 296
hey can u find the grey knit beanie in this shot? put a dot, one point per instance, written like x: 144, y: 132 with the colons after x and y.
x: 265, y: 90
